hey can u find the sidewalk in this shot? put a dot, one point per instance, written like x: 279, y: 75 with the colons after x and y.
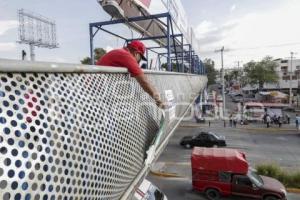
x: 178, y: 170
x: 172, y: 169
x: 251, y: 126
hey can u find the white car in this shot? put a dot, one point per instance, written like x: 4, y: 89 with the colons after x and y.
x: 148, y: 191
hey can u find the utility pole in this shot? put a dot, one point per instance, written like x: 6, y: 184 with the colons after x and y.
x: 291, y: 72
x: 239, y: 69
x: 223, y: 80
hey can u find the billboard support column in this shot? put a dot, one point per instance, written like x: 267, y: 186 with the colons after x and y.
x: 32, y: 53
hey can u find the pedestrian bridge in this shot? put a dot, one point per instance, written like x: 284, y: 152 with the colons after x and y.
x: 83, y: 132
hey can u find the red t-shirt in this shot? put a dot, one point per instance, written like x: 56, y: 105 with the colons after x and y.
x: 121, y: 58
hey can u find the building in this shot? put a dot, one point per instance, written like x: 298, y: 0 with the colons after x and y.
x: 285, y: 67
x: 283, y: 70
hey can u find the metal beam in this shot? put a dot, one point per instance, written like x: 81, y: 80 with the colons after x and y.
x: 182, y: 54
x: 162, y: 47
x: 92, y: 45
x: 168, y: 44
x: 152, y: 38
x: 131, y: 19
x: 174, y: 44
x: 109, y: 32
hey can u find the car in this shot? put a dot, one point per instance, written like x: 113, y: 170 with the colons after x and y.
x: 148, y: 191
x: 235, y: 95
x: 203, y: 139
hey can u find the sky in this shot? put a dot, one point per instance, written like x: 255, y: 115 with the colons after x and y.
x: 248, y: 29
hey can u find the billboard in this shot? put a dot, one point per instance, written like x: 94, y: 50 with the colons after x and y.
x: 36, y: 30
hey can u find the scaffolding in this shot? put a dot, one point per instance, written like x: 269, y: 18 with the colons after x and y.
x: 178, y: 53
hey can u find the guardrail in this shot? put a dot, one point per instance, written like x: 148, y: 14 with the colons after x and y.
x: 80, y: 132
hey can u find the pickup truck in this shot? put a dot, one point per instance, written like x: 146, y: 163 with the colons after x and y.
x: 223, y: 172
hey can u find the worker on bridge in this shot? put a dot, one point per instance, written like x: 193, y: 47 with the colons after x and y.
x: 130, y: 57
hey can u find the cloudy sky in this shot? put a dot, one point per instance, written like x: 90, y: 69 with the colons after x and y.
x: 249, y: 29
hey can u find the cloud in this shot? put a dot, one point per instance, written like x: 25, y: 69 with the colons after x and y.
x: 108, y: 48
x: 6, y: 25
x: 232, y: 8
x: 204, y: 28
x: 8, y: 46
x: 253, y: 35
x: 209, y: 33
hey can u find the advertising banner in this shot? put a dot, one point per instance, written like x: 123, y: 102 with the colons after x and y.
x: 178, y: 15
x: 144, y: 3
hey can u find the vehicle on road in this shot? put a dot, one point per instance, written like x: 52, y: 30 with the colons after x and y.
x: 148, y: 191
x: 253, y: 111
x: 235, y: 94
x: 203, y: 139
x: 223, y: 172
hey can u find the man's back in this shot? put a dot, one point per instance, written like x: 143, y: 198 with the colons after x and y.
x: 130, y: 58
x: 121, y: 58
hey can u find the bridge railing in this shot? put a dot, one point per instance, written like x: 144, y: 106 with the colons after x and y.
x: 82, y: 132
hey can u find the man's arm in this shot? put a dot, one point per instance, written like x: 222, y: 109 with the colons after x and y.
x: 146, y: 85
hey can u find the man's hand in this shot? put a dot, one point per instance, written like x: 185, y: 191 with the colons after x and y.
x: 161, y: 104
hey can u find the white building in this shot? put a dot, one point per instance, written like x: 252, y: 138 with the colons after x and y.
x: 283, y: 70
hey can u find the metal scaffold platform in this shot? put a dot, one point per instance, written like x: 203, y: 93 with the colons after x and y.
x: 158, y: 28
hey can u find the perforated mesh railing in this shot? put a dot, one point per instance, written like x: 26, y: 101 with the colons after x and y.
x: 71, y: 135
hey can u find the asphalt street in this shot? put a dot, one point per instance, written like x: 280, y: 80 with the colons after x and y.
x: 260, y: 146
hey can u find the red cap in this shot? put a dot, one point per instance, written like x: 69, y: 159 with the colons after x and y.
x: 139, y: 47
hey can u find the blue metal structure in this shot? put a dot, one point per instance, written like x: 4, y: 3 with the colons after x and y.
x: 185, y: 55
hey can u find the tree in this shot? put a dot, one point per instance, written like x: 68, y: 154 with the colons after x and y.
x: 86, y: 61
x: 234, y: 75
x: 210, y: 70
x: 173, y: 65
x: 98, y: 53
x: 261, y: 72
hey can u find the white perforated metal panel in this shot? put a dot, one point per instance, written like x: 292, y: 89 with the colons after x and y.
x: 70, y: 136
x: 79, y: 135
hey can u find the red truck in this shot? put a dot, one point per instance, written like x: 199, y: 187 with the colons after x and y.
x: 222, y: 172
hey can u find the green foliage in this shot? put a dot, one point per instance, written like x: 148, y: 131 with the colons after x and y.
x: 234, y: 75
x: 165, y: 66
x: 288, y: 179
x: 210, y: 70
x: 86, y: 61
x: 261, y: 72
x: 98, y: 53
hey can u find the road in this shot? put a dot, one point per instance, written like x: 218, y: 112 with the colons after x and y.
x: 260, y: 146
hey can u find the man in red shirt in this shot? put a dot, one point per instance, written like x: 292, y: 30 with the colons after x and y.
x: 130, y: 57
